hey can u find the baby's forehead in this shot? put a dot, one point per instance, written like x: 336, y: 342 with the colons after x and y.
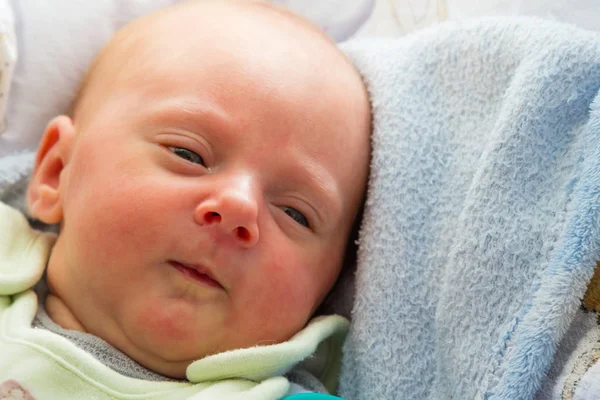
x: 195, y: 28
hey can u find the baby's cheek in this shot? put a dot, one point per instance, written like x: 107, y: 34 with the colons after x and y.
x: 290, y: 292
x: 127, y: 221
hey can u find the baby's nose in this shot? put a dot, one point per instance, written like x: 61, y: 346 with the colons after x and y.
x: 234, y: 212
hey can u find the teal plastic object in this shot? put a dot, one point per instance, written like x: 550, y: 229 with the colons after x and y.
x: 311, y: 396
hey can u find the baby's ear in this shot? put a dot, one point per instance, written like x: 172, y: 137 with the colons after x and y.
x: 44, y: 192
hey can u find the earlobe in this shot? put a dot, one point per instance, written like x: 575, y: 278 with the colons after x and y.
x: 44, y: 192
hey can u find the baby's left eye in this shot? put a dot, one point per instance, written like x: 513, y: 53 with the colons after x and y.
x: 296, y: 216
x: 187, y: 155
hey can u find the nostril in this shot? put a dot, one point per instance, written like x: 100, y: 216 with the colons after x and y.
x: 242, y: 233
x: 211, y: 217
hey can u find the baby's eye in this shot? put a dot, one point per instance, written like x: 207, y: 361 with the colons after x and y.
x: 187, y: 155
x: 296, y: 216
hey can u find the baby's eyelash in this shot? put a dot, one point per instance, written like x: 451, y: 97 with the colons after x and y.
x: 187, y: 155
x: 296, y: 216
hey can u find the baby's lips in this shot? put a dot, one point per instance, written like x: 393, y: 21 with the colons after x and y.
x: 197, y: 272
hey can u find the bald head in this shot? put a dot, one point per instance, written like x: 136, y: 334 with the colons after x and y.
x: 258, y: 28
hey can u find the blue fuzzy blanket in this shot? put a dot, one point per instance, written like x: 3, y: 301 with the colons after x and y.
x: 482, y: 222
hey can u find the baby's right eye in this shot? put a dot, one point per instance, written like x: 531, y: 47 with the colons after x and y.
x: 187, y: 155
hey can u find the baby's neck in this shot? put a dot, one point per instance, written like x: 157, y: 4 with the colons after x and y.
x: 61, y: 315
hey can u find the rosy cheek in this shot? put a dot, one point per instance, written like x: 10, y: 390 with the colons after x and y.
x: 127, y: 217
x: 290, y: 292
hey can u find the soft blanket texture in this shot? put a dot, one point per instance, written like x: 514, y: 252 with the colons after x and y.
x: 481, y: 226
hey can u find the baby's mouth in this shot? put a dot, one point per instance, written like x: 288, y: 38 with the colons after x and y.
x: 197, y: 273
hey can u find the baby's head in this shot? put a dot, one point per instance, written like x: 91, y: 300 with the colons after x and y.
x: 206, y: 184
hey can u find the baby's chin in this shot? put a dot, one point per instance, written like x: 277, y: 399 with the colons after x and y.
x: 166, y: 336
x: 164, y: 344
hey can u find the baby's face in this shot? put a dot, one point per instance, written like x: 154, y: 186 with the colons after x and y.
x: 209, y: 189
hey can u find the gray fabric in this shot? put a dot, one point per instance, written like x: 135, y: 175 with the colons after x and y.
x: 15, y: 170
x: 306, y: 380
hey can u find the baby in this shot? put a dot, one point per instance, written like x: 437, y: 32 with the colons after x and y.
x: 206, y: 183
